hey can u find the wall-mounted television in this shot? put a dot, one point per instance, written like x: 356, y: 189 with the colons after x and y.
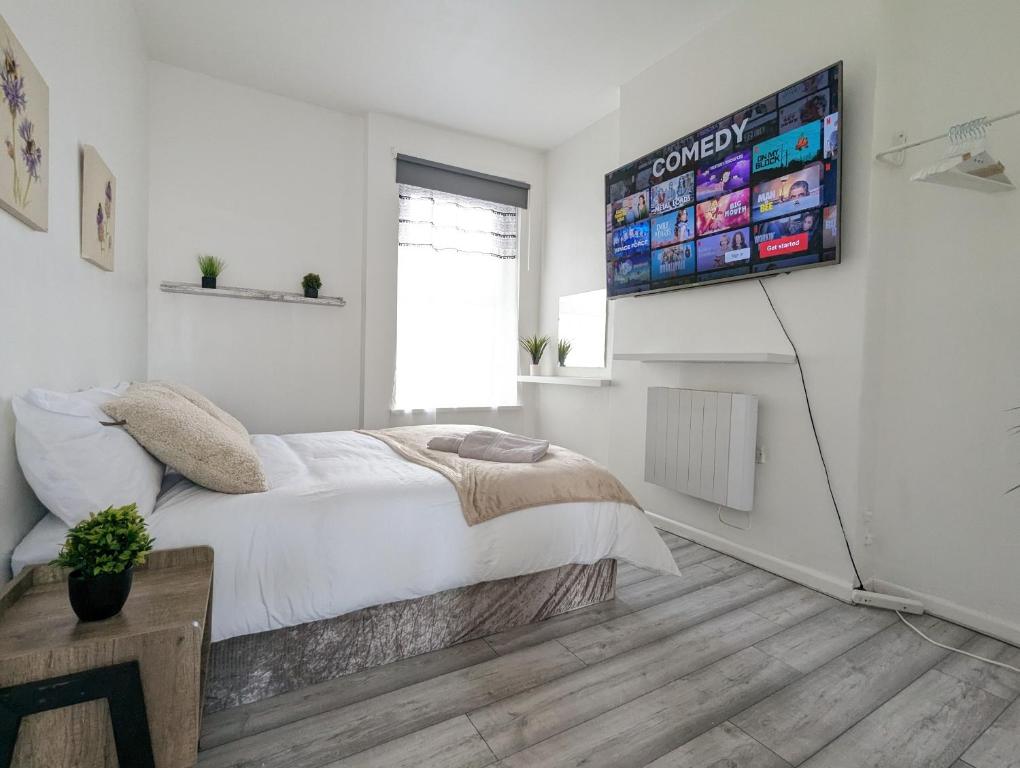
x: 754, y: 192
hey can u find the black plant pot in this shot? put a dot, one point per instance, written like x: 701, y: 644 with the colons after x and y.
x: 208, y: 282
x: 311, y: 293
x: 94, y: 598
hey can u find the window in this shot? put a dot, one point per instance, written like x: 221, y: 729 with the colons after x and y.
x: 582, y: 322
x: 456, y: 301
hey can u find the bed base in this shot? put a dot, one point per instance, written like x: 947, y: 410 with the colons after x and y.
x: 253, y: 667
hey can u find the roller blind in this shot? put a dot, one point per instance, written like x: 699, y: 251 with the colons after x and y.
x: 459, y: 181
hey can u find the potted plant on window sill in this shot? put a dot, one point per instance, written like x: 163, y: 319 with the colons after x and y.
x: 311, y: 283
x: 535, y: 347
x: 210, y: 266
x: 563, y: 348
x: 102, y: 552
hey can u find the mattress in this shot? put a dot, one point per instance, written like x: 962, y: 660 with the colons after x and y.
x: 349, y: 524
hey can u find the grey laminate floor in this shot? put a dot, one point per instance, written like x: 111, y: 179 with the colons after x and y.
x: 727, y: 666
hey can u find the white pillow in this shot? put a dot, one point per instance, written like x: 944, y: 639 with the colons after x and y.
x: 76, y: 465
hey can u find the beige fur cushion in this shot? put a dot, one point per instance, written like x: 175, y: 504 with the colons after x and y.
x: 204, y: 403
x: 179, y: 433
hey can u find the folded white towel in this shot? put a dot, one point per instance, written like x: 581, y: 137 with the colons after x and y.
x: 501, y: 446
x: 445, y: 443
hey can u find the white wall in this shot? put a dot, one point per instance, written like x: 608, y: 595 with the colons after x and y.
x: 274, y: 187
x: 278, y: 188
x: 944, y: 364
x: 792, y: 527
x: 68, y: 324
x: 908, y: 345
x: 575, y: 262
x: 386, y: 136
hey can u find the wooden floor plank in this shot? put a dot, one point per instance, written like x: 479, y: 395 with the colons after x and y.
x: 999, y: 746
x: 691, y: 554
x: 927, y: 725
x: 1004, y: 683
x: 631, y: 574
x: 453, y: 743
x: 643, y: 730
x: 823, y: 637
x: 519, y: 721
x: 618, y: 635
x: 339, y: 733
x: 678, y: 544
x: 673, y: 541
x: 725, y: 746
x: 790, y: 607
x: 726, y: 564
x: 656, y: 590
x: 527, y: 635
x: 233, y: 723
x: 804, y: 717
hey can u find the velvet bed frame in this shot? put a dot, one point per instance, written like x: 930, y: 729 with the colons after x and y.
x: 252, y: 667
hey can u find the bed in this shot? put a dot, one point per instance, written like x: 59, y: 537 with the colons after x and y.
x: 357, y: 557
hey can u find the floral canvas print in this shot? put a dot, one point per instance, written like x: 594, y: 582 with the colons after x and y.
x: 98, y: 210
x: 24, y: 134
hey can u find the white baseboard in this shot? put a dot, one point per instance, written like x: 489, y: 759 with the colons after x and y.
x: 809, y: 577
x: 954, y: 612
x: 981, y: 622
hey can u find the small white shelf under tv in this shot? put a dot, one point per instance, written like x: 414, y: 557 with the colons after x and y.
x: 569, y: 381
x: 787, y: 358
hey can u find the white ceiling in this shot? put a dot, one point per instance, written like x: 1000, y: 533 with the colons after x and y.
x: 532, y: 72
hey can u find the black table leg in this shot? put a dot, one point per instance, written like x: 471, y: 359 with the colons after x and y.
x: 120, y: 685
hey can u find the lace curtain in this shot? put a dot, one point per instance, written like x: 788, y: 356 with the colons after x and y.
x: 456, y: 301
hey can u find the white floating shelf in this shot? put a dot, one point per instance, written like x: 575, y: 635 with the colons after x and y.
x: 708, y: 357
x: 227, y: 292
x: 570, y: 381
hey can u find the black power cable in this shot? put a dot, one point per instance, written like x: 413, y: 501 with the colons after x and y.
x: 818, y: 442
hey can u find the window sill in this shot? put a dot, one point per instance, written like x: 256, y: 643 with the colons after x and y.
x: 461, y: 409
x: 571, y: 381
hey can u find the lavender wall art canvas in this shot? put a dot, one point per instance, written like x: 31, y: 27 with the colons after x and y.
x: 98, y: 210
x: 24, y: 134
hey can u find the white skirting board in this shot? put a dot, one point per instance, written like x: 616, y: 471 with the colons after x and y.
x: 1005, y: 631
x: 809, y: 577
x: 981, y: 622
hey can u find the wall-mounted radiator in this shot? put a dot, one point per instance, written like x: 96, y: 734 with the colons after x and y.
x: 702, y: 444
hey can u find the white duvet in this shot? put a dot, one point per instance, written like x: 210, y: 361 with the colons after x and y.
x: 348, y: 524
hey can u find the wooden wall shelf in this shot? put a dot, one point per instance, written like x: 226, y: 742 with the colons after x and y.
x: 227, y: 292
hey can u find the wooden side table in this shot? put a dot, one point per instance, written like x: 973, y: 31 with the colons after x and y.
x: 164, y: 629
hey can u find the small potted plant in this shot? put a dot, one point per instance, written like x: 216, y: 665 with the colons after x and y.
x: 311, y: 283
x: 535, y: 347
x: 211, y: 267
x: 562, y: 350
x: 102, y: 552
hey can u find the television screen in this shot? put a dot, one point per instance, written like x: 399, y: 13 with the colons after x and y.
x: 754, y: 192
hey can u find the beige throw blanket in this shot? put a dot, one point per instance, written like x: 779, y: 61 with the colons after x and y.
x: 489, y: 489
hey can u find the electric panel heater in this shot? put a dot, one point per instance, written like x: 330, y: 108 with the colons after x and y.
x: 702, y: 444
